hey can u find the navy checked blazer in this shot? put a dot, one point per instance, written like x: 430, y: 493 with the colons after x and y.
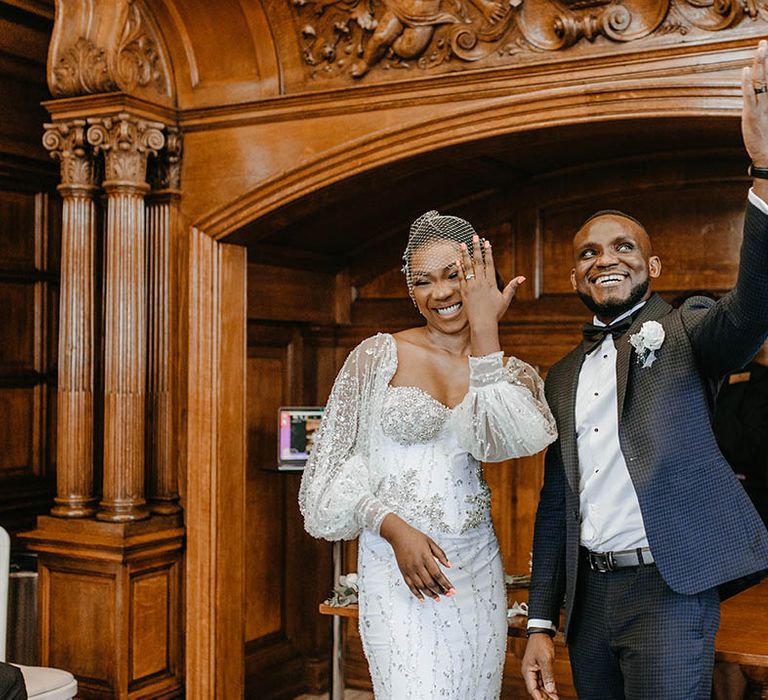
x: 702, y: 528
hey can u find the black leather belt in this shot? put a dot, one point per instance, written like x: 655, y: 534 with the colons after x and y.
x: 610, y: 561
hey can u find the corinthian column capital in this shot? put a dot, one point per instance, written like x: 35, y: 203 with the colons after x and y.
x: 126, y: 141
x: 166, y: 175
x: 66, y: 141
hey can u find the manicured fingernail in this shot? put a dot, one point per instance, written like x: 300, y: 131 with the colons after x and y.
x: 487, y: 244
x: 463, y: 246
x: 448, y: 564
x: 520, y: 280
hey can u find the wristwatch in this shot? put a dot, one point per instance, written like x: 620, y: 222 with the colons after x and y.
x: 537, y: 630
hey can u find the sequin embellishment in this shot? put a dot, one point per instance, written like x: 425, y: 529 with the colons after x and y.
x: 401, y: 493
x: 412, y: 416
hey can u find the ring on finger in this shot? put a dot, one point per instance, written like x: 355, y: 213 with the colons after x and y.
x: 469, y: 276
x: 761, y: 89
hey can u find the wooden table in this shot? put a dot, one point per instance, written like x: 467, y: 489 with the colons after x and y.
x: 743, y: 635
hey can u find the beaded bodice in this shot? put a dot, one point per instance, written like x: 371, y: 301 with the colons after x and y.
x: 383, y: 449
x: 428, y: 478
x: 410, y: 415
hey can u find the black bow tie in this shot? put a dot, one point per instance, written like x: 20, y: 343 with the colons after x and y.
x: 595, y: 335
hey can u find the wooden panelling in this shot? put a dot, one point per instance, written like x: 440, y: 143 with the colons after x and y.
x: 150, y: 605
x: 695, y: 231
x: 18, y: 331
x: 118, y: 587
x: 284, y: 294
x: 265, y: 514
x: 18, y: 244
x: 85, y: 602
x: 288, y: 572
x: 20, y: 431
x: 28, y: 288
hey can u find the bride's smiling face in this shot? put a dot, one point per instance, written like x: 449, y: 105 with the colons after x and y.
x: 435, y: 285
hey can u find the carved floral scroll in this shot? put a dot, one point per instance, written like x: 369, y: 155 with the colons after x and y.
x: 102, y: 47
x: 351, y: 37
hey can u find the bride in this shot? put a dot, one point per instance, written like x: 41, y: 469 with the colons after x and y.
x: 397, y: 461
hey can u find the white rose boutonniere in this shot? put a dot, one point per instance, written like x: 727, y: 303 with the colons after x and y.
x: 647, y: 341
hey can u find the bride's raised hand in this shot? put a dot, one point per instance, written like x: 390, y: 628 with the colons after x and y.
x: 483, y: 302
x: 417, y: 557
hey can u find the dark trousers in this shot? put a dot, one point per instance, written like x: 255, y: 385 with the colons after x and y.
x: 633, y: 637
x: 11, y: 683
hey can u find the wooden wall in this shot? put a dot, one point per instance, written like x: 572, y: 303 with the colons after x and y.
x: 291, y: 157
x: 692, y: 203
x: 29, y: 268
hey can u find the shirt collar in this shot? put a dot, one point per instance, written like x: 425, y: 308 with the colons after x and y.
x: 598, y: 322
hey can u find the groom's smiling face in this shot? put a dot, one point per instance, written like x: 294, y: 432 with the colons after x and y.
x: 613, y: 265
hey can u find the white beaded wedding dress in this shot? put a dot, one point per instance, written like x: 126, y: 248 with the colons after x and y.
x: 383, y: 449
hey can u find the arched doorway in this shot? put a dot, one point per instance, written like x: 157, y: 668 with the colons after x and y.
x: 284, y: 303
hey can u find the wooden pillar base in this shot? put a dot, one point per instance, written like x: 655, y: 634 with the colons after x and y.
x: 72, y: 508
x: 165, y: 506
x: 110, y: 597
x: 122, y: 513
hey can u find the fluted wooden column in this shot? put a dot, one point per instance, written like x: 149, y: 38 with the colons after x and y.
x: 162, y: 223
x: 74, y: 448
x: 126, y: 142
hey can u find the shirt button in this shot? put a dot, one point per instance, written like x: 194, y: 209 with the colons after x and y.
x: 596, y: 394
x: 596, y: 429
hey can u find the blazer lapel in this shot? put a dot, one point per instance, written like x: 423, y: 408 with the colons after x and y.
x: 567, y: 412
x: 654, y: 308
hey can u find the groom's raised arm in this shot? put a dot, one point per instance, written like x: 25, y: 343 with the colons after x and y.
x: 728, y: 335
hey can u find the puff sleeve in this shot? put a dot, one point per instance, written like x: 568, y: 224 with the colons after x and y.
x: 504, y: 414
x: 336, y: 497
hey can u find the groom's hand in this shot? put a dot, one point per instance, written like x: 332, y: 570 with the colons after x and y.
x: 754, y: 119
x: 538, y: 667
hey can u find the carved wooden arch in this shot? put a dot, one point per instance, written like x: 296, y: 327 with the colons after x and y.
x: 628, y: 101
x: 217, y: 318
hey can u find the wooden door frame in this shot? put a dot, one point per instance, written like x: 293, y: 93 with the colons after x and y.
x: 217, y: 313
x: 215, y: 480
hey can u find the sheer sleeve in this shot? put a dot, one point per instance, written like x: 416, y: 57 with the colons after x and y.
x: 504, y: 414
x: 336, y: 497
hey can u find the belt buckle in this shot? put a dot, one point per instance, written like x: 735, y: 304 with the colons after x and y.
x: 602, y: 562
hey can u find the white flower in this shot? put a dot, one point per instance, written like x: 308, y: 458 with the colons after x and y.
x: 647, y: 341
x: 653, y: 334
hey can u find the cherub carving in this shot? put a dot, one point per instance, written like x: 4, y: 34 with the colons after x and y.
x: 407, y: 27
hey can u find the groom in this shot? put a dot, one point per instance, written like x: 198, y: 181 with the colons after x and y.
x: 642, y: 523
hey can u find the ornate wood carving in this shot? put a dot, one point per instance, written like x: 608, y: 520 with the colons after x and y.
x: 341, y: 37
x: 67, y: 142
x: 126, y: 142
x: 162, y: 223
x: 102, y: 47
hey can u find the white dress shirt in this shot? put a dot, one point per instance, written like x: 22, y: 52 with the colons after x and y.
x: 610, y: 512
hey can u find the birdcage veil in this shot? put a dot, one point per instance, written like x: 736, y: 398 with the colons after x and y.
x: 428, y: 236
